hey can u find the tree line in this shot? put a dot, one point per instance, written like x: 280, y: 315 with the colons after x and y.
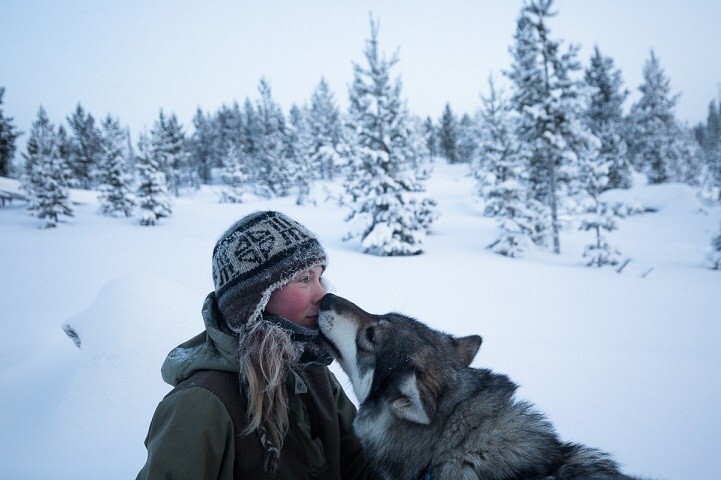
x: 541, y: 153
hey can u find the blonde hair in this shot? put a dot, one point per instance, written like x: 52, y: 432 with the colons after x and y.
x: 266, y: 352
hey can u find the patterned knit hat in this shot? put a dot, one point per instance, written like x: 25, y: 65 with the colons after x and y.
x: 258, y: 254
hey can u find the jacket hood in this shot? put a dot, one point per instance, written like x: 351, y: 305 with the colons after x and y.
x: 212, y: 349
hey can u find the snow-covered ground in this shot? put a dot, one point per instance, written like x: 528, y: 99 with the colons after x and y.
x: 626, y: 362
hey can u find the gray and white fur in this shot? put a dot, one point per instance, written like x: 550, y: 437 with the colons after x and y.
x: 422, y: 408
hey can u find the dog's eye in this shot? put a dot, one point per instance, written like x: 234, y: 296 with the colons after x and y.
x: 371, y: 334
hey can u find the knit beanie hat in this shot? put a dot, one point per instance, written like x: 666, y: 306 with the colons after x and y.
x: 258, y: 254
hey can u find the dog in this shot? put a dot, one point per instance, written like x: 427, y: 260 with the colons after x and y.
x: 425, y: 413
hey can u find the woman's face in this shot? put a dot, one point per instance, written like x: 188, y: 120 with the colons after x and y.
x: 298, y: 300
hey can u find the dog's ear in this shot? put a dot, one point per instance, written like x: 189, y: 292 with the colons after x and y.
x: 467, y: 347
x: 409, y: 405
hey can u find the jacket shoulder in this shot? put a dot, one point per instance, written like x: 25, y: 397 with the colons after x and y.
x: 183, y: 422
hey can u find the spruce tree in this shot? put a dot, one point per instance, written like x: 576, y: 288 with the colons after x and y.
x: 170, y: 149
x: 325, y: 126
x: 152, y: 193
x: 271, y: 156
x: 384, y: 194
x: 598, y: 216
x: 205, y: 146
x: 47, y: 176
x: 116, y: 198
x: 430, y: 132
x: 714, y: 258
x: 711, y: 144
x: 604, y: 117
x: 235, y: 176
x: 448, y: 135
x: 687, y: 163
x: 653, y: 126
x: 501, y: 177
x: 550, y: 103
x: 467, y: 138
x: 251, y: 130
x: 8, y: 134
x: 302, y: 149
x: 86, y: 148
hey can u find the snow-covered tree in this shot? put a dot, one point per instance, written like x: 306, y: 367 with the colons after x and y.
x: 302, y: 146
x: 384, y: 194
x: 170, y: 149
x: 422, y: 163
x: 710, y: 139
x: 85, y: 150
x: 326, y: 127
x: 448, y: 135
x: 501, y: 177
x: 251, y: 130
x: 8, y: 134
x: 550, y: 102
x: 271, y: 157
x: 687, y: 164
x: 714, y: 258
x: 47, y: 176
x: 116, y: 183
x: 467, y: 138
x: 598, y: 216
x: 204, y: 146
x: 152, y: 193
x: 652, y: 124
x: 235, y: 175
x: 430, y: 132
x: 604, y: 117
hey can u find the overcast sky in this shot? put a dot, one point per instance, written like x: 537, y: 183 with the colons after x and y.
x: 133, y: 57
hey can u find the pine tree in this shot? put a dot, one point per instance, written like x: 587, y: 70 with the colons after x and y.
x: 430, y: 132
x: 448, y: 135
x: 152, y: 193
x: 65, y: 147
x: 604, y: 117
x: 235, y: 176
x: 325, y: 126
x: 251, y: 130
x: 47, y: 176
x: 653, y: 124
x: 271, y: 156
x: 501, y: 177
x: 467, y: 138
x: 384, y: 193
x: 714, y: 258
x: 711, y: 144
x: 116, y: 197
x: 550, y: 104
x: 687, y: 163
x: 598, y: 216
x: 86, y: 148
x: 302, y: 150
x: 205, y: 146
x: 8, y: 134
x: 169, y: 147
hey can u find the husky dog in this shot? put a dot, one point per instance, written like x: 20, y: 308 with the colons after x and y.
x: 424, y: 413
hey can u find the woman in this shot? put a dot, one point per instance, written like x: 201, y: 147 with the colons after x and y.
x: 253, y: 395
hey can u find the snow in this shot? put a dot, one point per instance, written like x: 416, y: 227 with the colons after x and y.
x: 626, y: 362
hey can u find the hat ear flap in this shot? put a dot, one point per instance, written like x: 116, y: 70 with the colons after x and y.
x: 410, y: 405
x: 467, y: 347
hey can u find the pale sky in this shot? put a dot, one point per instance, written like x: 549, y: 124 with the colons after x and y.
x: 131, y: 58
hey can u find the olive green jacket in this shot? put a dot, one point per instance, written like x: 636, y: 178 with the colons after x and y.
x: 192, y: 435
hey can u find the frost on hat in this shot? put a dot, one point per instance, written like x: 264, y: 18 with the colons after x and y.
x: 259, y: 253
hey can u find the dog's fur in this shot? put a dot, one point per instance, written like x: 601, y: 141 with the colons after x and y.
x: 422, y: 408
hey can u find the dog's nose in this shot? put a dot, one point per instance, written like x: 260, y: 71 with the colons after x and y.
x: 326, y: 303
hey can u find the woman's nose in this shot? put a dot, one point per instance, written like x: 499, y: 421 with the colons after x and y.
x: 319, y: 292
